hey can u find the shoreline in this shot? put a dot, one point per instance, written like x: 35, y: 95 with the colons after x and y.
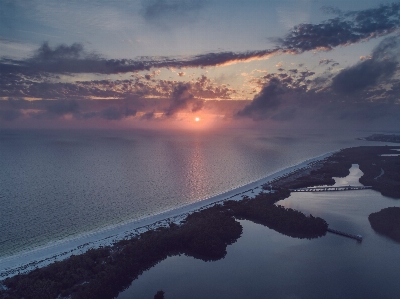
x: 28, y: 260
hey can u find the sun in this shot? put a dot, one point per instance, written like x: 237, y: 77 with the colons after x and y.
x: 197, y: 119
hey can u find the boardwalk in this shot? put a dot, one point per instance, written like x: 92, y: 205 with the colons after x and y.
x: 331, y: 188
x: 334, y: 231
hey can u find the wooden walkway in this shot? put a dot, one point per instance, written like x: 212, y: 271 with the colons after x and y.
x: 326, y: 189
x: 334, y: 231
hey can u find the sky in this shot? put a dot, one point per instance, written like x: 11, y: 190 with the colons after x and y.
x: 199, y: 64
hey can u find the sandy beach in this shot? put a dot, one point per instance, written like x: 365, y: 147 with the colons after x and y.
x: 59, y: 250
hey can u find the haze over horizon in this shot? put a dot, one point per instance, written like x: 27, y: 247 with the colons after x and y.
x: 163, y: 63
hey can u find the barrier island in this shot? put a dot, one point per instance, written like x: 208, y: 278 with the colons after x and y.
x: 383, y: 138
x: 204, y: 234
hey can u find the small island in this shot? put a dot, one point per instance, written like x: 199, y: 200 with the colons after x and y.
x: 383, y: 138
x: 205, y: 234
x: 387, y: 222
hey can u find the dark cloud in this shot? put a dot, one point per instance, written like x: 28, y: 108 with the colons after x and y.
x: 365, y: 74
x: 368, y: 73
x: 167, y: 13
x: 116, y: 113
x: 130, y: 112
x: 112, y: 113
x: 367, y: 91
x: 222, y: 58
x: 46, y: 53
x: 108, y: 110
x: 327, y: 61
x: 10, y: 114
x: 285, y: 114
x: 73, y: 59
x: 358, y: 111
x: 11, y: 109
x: 285, y: 98
x: 88, y: 115
x: 62, y: 107
x: 183, y: 98
x: 266, y: 101
x: 148, y: 116
x: 139, y: 87
x: 347, y: 28
x: 164, y: 97
x: 17, y: 103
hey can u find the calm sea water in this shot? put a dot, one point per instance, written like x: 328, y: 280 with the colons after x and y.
x: 57, y: 184
x: 265, y: 264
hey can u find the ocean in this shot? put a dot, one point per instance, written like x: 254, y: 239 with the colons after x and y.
x: 58, y: 184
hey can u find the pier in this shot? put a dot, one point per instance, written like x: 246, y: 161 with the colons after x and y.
x: 325, y: 189
x: 357, y: 237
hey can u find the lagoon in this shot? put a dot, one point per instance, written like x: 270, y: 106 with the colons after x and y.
x: 266, y: 264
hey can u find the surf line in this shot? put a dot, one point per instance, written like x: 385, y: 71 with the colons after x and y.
x: 28, y: 260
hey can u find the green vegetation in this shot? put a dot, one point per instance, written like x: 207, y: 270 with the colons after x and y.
x: 387, y: 222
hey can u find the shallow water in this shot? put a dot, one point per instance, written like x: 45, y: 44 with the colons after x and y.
x: 266, y: 264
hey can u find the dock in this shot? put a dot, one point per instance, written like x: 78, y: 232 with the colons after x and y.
x: 330, y: 188
x: 359, y: 238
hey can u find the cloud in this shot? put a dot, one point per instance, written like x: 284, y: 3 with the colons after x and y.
x: 168, y: 13
x: 285, y: 114
x: 348, y: 28
x: 148, y: 116
x: 370, y: 72
x: 62, y: 107
x: 327, y: 61
x: 129, y: 97
x: 364, y: 92
x: 363, y: 57
x: 115, y: 113
x: 363, y: 75
x: 283, y: 96
x: 183, y: 98
x: 45, y: 53
x: 17, y: 103
x: 73, y: 59
x: 345, y: 29
x: 152, y: 75
x: 10, y: 114
x: 138, y: 86
x: 266, y: 101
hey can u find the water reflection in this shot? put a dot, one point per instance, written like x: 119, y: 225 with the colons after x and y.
x: 352, y: 179
x: 195, y: 168
x: 266, y: 264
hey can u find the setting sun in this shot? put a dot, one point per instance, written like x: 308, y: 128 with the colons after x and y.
x: 197, y: 119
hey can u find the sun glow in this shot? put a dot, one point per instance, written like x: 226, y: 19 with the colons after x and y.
x: 197, y: 119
